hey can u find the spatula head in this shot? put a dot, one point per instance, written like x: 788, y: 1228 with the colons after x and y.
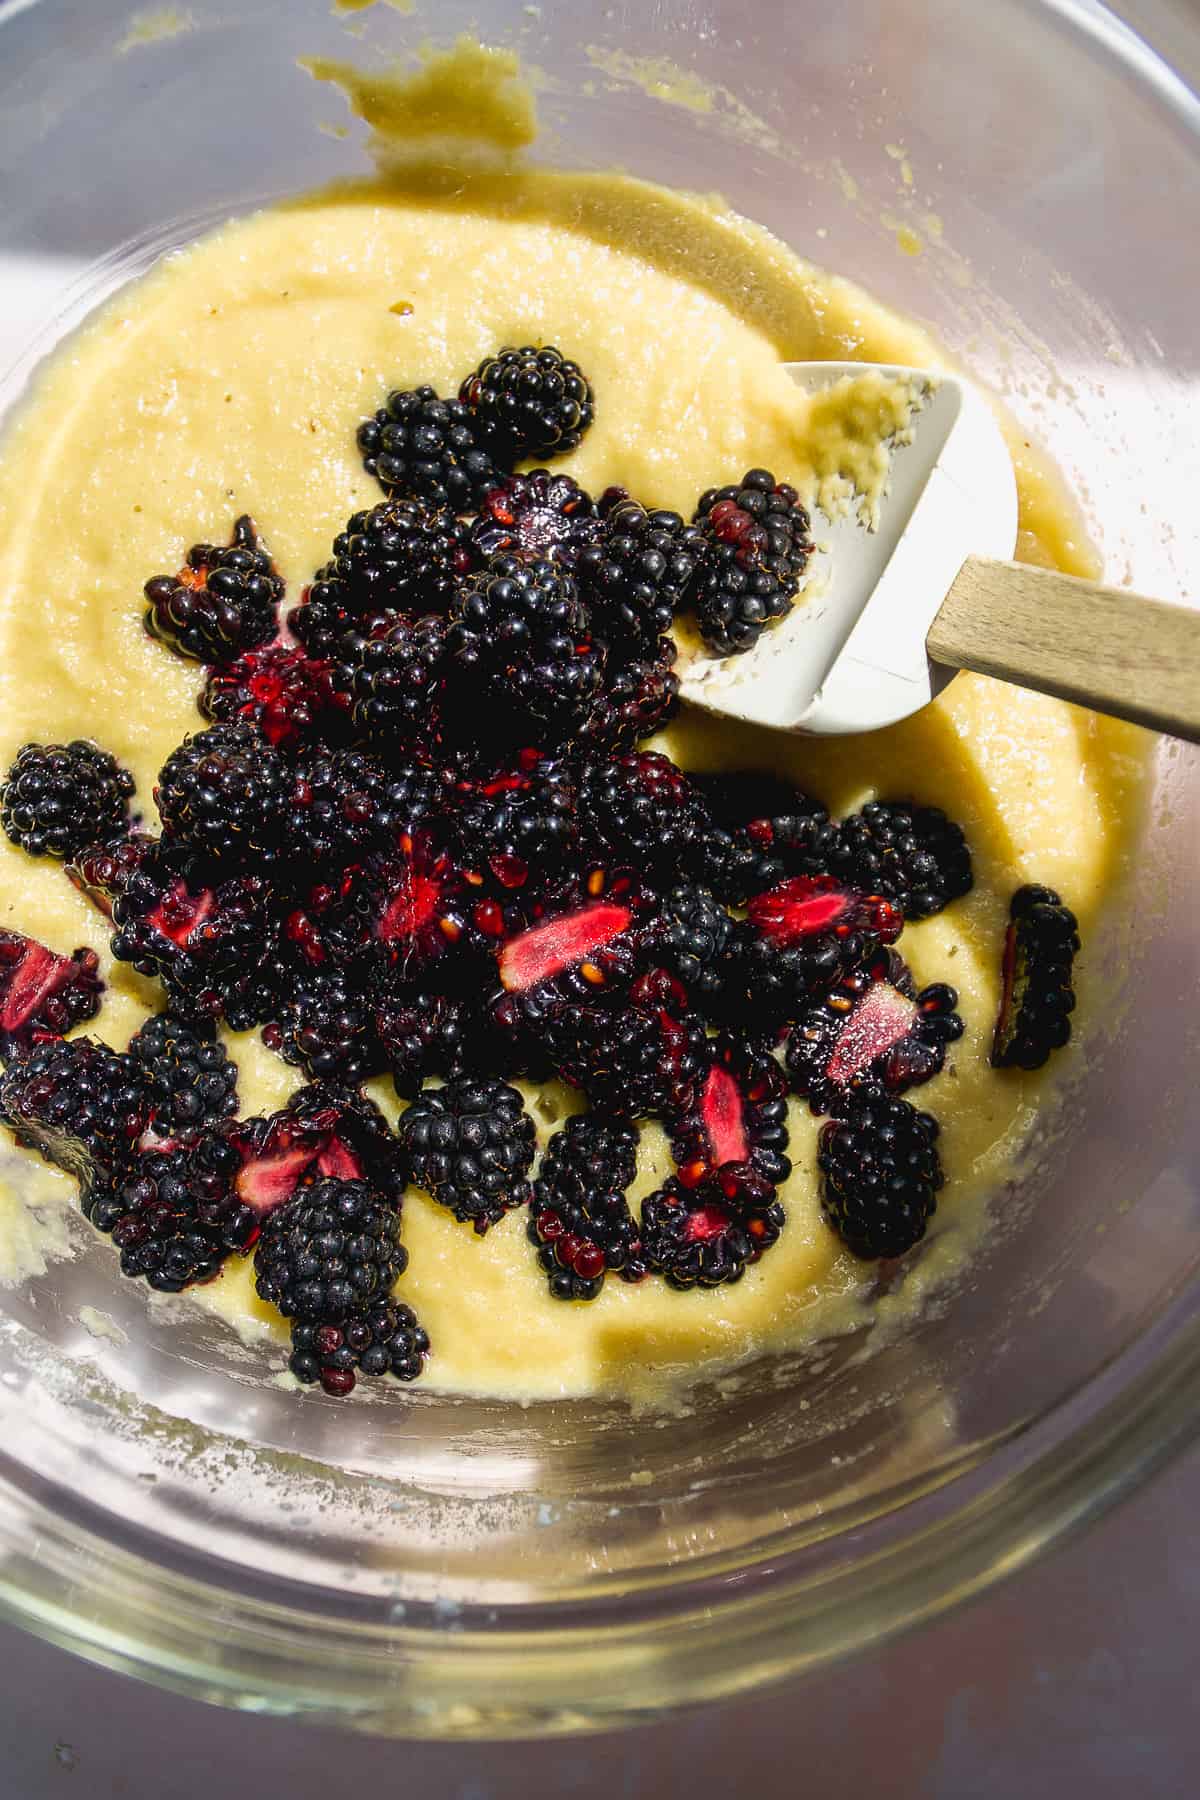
x: 851, y: 655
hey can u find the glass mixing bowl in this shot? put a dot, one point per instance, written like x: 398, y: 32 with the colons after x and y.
x: 435, y: 1567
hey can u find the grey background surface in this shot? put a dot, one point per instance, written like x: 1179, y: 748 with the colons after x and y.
x: 1076, y: 1677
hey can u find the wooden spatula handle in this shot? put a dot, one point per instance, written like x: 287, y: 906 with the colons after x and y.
x: 1114, y: 651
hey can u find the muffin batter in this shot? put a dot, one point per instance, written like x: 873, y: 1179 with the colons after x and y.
x: 232, y: 381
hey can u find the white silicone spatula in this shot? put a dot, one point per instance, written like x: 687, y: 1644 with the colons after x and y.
x: 930, y: 591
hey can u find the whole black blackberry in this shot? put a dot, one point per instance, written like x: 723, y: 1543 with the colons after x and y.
x: 644, y: 810
x: 189, y: 1078
x: 880, y: 1174
x: 469, y: 1145
x: 58, y: 798
x: 765, y: 830
x: 528, y: 402
x: 404, y: 555
x: 41, y: 994
x: 341, y: 808
x: 707, y: 1235
x: 422, y: 1033
x: 322, y: 619
x: 1037, y: 1000
x: 384, y: 1340
x: 913, y: 854
x: 756, y: 547
x: 326, y: 1025
x: 426, y: 448
x: 281, y: 692
x: 519, y: 826
x: 580, y: 1219
x: 329, y: 1252
x: 174, y: 1215
x: 222, y: 602
x: 629, y: 1061
x: 639, y: 698
x: 636, y: 573
x: 537, y: 515
x: 691, y: 936
x: 392, y: 679
x: 78, y: 1102
x: 225, y: 793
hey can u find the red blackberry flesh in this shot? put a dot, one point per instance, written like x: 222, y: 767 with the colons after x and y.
x: 222, y: 602
x: 405, y: 556
x: 756, y: 547
x: 342, y: 807
x: 527, y: 403
x: 519, y: 825
x: 58, y: 798
x: 78, y: 1102
x: 636, y: 573
x: 691, y: 935
x: 278, y: 690
x: 739, y: 1115
x: 225, y: 793
x: 914, y: 855
x: 800, y: 938
x: 644, y: 810
x: 422, y: 447
x: 174, y: 1214
x: 326, y: 1025
x: 580, y: 1220
x: 383, y: 1340
x: 639, y: 698
x: 190, y: 1081
x: 872, y: 1028
x: 416, y: 907
x: 392, y: 678
x: 707, y: 1235
x: 1037, y: 1001
x: 880, y: 1175
x: 630, y: 1061
x: 43, y: 995
x: 536, y: 516
x: 469, y: 1145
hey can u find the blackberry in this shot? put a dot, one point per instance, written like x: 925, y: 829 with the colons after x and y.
x: 174, y: 1215
x: 57, y: 798
x: 326, y: 1130
x: 873, y: 1028
x: 225, y: 793
x: 392, y: 678
x: 756, y: 547
x: 423, y: 1033
x: 520, y: 825
x: 1037, y: 1000
x: 342, y: 807
x: 425, y: 448
x: 78, y: 1102
x: 585, y: 936
x: 880, y: 1174
x: 329, y: 1252
x: 469, y: 1145
x: 404, y: 555
x: 914, y: 855
x: 43, y: 995
x: 222, y: 602
x: 629, y: 1062
x: 708, y: 1235
x: 326, y: 1026
x: 799, y: 939
x: 580, y: 1220
x: 321, y: 620
x: 635, y: 575
x: 383, y: 1340
x: 190, y: 1081
x: 739, y: 1115
x: 644, y: 810
x: 538, y: 515
x: 691, y: 936
x: 528, y: 402
x: 640, y: 698
x: 764, y: 831
x: 278, y: 690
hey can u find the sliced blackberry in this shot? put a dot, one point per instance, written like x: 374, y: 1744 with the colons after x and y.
x: 629, y: 1061
x: 43, y: 995
x: 78, y: 1102
x: 278, y: 690
x: 580, y: 1219
x: 585, y: 936
x: 326, y: 1131
x: 1037, y: 999
x: 871, y: 1028
x: 225, y: 793
x: 527, y: 403
x: 691, y: 935
x: 222, y: 602
x: 519, y: 825
x: 383, y: 1340
x: 799, y: 939
x: 425, y: 448
x: 392, y: 678
x: 644, y: 811
x: 190, y: 1080
x: 756, y: 547
x: 639, y: 698
x: 914, y: 855
x: 880, y: 1174
x: 636, y: 573
x: 406, y: 556
x: 342, y: 807
x: 707, y: 1235
x: 174, y: 1215
x: 58, y: 798
x: 326, y: 1025
x: 469, y: 1145
x: 538, y: 515
x: 739, y: 1115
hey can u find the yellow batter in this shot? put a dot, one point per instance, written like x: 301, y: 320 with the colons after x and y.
x: 232, y: 381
